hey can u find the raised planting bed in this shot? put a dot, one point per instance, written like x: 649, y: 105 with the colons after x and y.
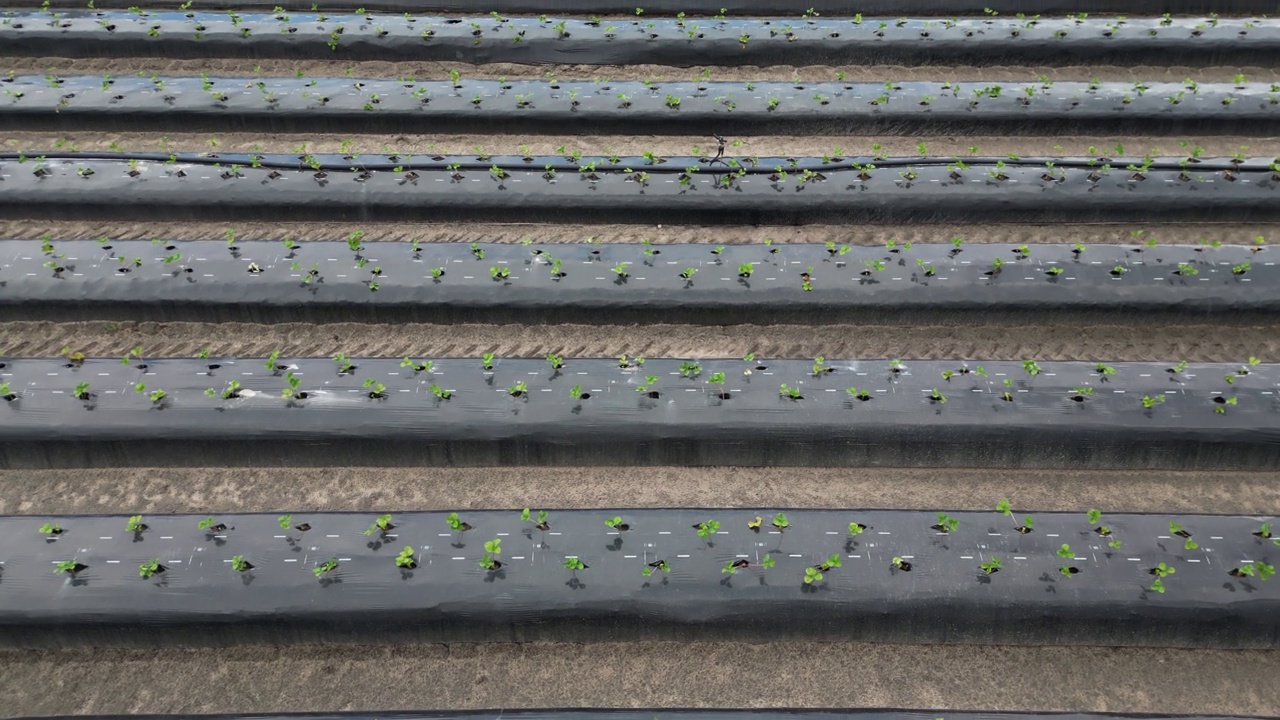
x: 233, y: 280
x: 276, y: 411
x: 674, y: 574
x: 664, y: 713
x: 732, y: 7
x: 523, y: 106
x: 686, y: 41
x: 635, y: 190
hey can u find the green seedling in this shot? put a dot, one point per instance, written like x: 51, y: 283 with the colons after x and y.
x: 991, y: 566
x: 780, y: 522
x: 574, y: 564
x: 456, y: 523
x: 556, y: 361
x: 540, y: 523
x: 239, y: 564
x: 486, y: 361
x: 946, y: 523
x: 812, y: 575
x: 382, y: 525
x: 707, y: 529
x: 135, y: 525
x: 661, y: 565
x: 149, y: 568
x: 1067, y: 554
x: 832, y: 561
x: 790, y: 392
x: 327, y: 566
x: 492, y: 549
x: 616, y: 523
x: 405, y: 558
x: 211, y: 525
x: 50, y: 529
x: 1150, y: 401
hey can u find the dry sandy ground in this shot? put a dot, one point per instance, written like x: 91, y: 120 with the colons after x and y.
x: 713, y: 675
x: 1183, y: 233
x: 745, y: 73
x: 220, y: 490
x: 635, y: 145
x: 1194, y: 343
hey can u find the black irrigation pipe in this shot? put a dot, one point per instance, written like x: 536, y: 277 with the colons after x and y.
x: 849, y: 575
x: 660, y: 714
x: 539, y: 106
x: 146, y: 412
x: 235, y: 281
x: 703, y: 193
x: 579, y: 41
x: 733, y: 7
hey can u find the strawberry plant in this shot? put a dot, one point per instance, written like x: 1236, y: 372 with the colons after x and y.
x: 381, y: 525
x: 211, y: 526
x: 239, y: 564
x: 150, y: 568
x: 541, y: 523
x: 900, y: 564
x: 657, y: 565
x: 325, y: 567
x: 946, y: 523
x: 405, y: 559
x: 1067, y: 554
x: 492, y: 549
x: 456, y: 523
x: 1027, y: 522
x: 992, y: 566
x: 1257, y: 568
x: 617, y: 524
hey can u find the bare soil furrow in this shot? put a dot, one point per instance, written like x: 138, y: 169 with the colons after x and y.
x: 871, y: 234
x: 1194, y: 343
x: 438, y: 70
x: 221, y: 490
x: 636, y: 145
x: 645, y: 675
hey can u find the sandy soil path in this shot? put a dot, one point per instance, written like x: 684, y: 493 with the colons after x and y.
x: 1184, y: 233
x: 220, y: 490
x: 439, y: 70
x: 640, y: 675
x: 1194, y: 343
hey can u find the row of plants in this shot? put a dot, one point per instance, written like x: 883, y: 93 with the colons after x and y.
x: 385, y: 532
x: 639, y: 168
x: 893, y: 385
x: 1095, y: 99
x: 525, y: 37
x: 817, y: 9
x: 916, y: 188
x: 197, y: 266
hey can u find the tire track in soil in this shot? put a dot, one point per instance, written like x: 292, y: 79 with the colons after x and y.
x: 1193, y: 343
